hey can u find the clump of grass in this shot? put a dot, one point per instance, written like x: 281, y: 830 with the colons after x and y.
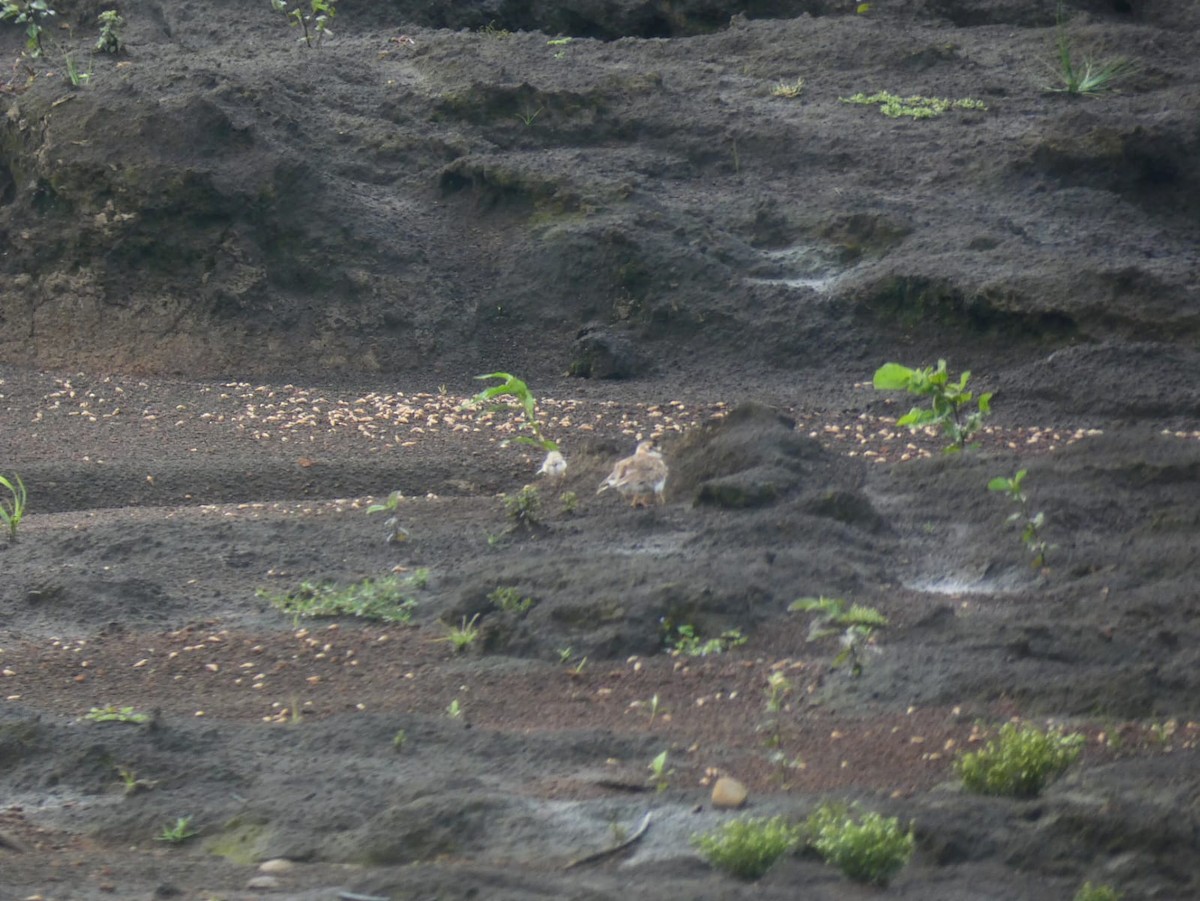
x: 177, y: 833
x: 788, y: 89
x: 509, y: 599
x: 748, y: 846
x: 383, y: 598
x: 1089, y: 77
x: 867, y: 848
x: 1019, y: 762
x: 12, y: 508
x: 463, y: 635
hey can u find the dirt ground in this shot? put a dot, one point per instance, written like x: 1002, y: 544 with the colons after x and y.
x: 247, y: 286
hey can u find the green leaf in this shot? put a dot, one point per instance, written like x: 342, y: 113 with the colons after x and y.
x: 1000, y: 484
x: 892, y: 377
x: 985, y: 402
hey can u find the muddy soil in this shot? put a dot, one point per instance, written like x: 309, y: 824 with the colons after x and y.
x: 247, y: 285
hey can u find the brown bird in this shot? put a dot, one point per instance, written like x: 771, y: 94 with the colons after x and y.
x: 640, y: 476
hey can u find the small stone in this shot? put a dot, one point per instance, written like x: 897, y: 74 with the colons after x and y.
x: 276, y: 865
x: 728, y: 793
x: 263, y: 883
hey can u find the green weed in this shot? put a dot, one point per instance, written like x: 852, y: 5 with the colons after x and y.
x: 12, y: 508
x: 1089, y: 77
x: 854, y: 625
x: 314, y: 21
x: 454, y: 710
x: 524, y: 507
x: 1090, y: 892
x: 382, y: 598
x: 463, y: 635
x: 660, y: 773
x: 31, y: 14
x: 788, y: 89
x: 747, y: 847
x: 949, y: 400
x: 688, y: 644
x: 1029, y: 523
x: 114, y: 714
x: 867, y: 848
x: 915, y: 107
x: 509, y: 599
x: 178, y: 833
x: 1019, y: 762
x: 111, y: 26
x: 131, y: 783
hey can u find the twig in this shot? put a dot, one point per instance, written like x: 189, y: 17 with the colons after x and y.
x: 608, y: 852
x: 353, y: 896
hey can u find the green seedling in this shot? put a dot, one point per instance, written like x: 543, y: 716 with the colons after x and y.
x: 1029, y: 523
x: 915, y: 107
x: 454, y: 710
x: 569, y: 501
x: 565, y: 654
x: 31, y: 14
x: 399, y: 739
x: 528, y: 118
x: 1090, y: 892
x: 512, y: 387
x: 867, y: 848
x: 111, y: 26
x: 660, y: 774
x: 1089, y: 77
x: 382, y: 598
x: 688, y: 644
x: 396, y: 532
x: 509, y: 599
x: 949, y: 400
x: 178, y: 833
x: 314, y: 21
x: 75, y: 77
x: 491, y: 30
x: 463, y: 635
x: 1019, y: 762
x: 855, y: 627
x: 778, y: 690
x: 131, y: 783
x: 653, y: 705
x: 12, y: 508
x: 748, y: 847
x: 114, y: 714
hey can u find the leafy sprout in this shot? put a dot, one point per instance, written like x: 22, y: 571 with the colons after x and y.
x: 12, y: 508
x: 855, y: 625
x: 513, y: 387
x: 949, y: 400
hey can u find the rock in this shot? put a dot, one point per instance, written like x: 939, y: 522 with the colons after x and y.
x: 276, y: 865
x: 728, y: 793
x: 263, y: 883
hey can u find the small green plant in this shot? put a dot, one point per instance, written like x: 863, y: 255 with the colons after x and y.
x: 491, y: 30
x: 1029, y: 523
x: 660, y: 773
x: 383, y: 598
x: 396, y: 532
x: 688, y: 644
x: 399, y: 739
x: 1090, y: 892
x: 111, y: 26
x: 1088, y: 78
x: 867, y: 848
x: 509, y: 599
x: 569, y: 501
x: 565, y: 654
x: 31, y: 14
x: 12, y: 508
x: 915, y: 107
x: 75, y: 77
x: 653, y: 705
x: 748, y: 846
x: 788, y: 89
x: 949, y: 400
x: 529, y: 117
x: 524, y: 507
x: 454, y: 710
x: 855, y: 625
x: 1019, y: 762
x: 314, y: 21
x: 178, y: 833
x: 131, y: 783
x: 114, y: 714
x: 511, y: 386
x: 463, y: 635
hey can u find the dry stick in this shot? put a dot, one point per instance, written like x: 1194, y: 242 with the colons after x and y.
x: 608, y: 852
